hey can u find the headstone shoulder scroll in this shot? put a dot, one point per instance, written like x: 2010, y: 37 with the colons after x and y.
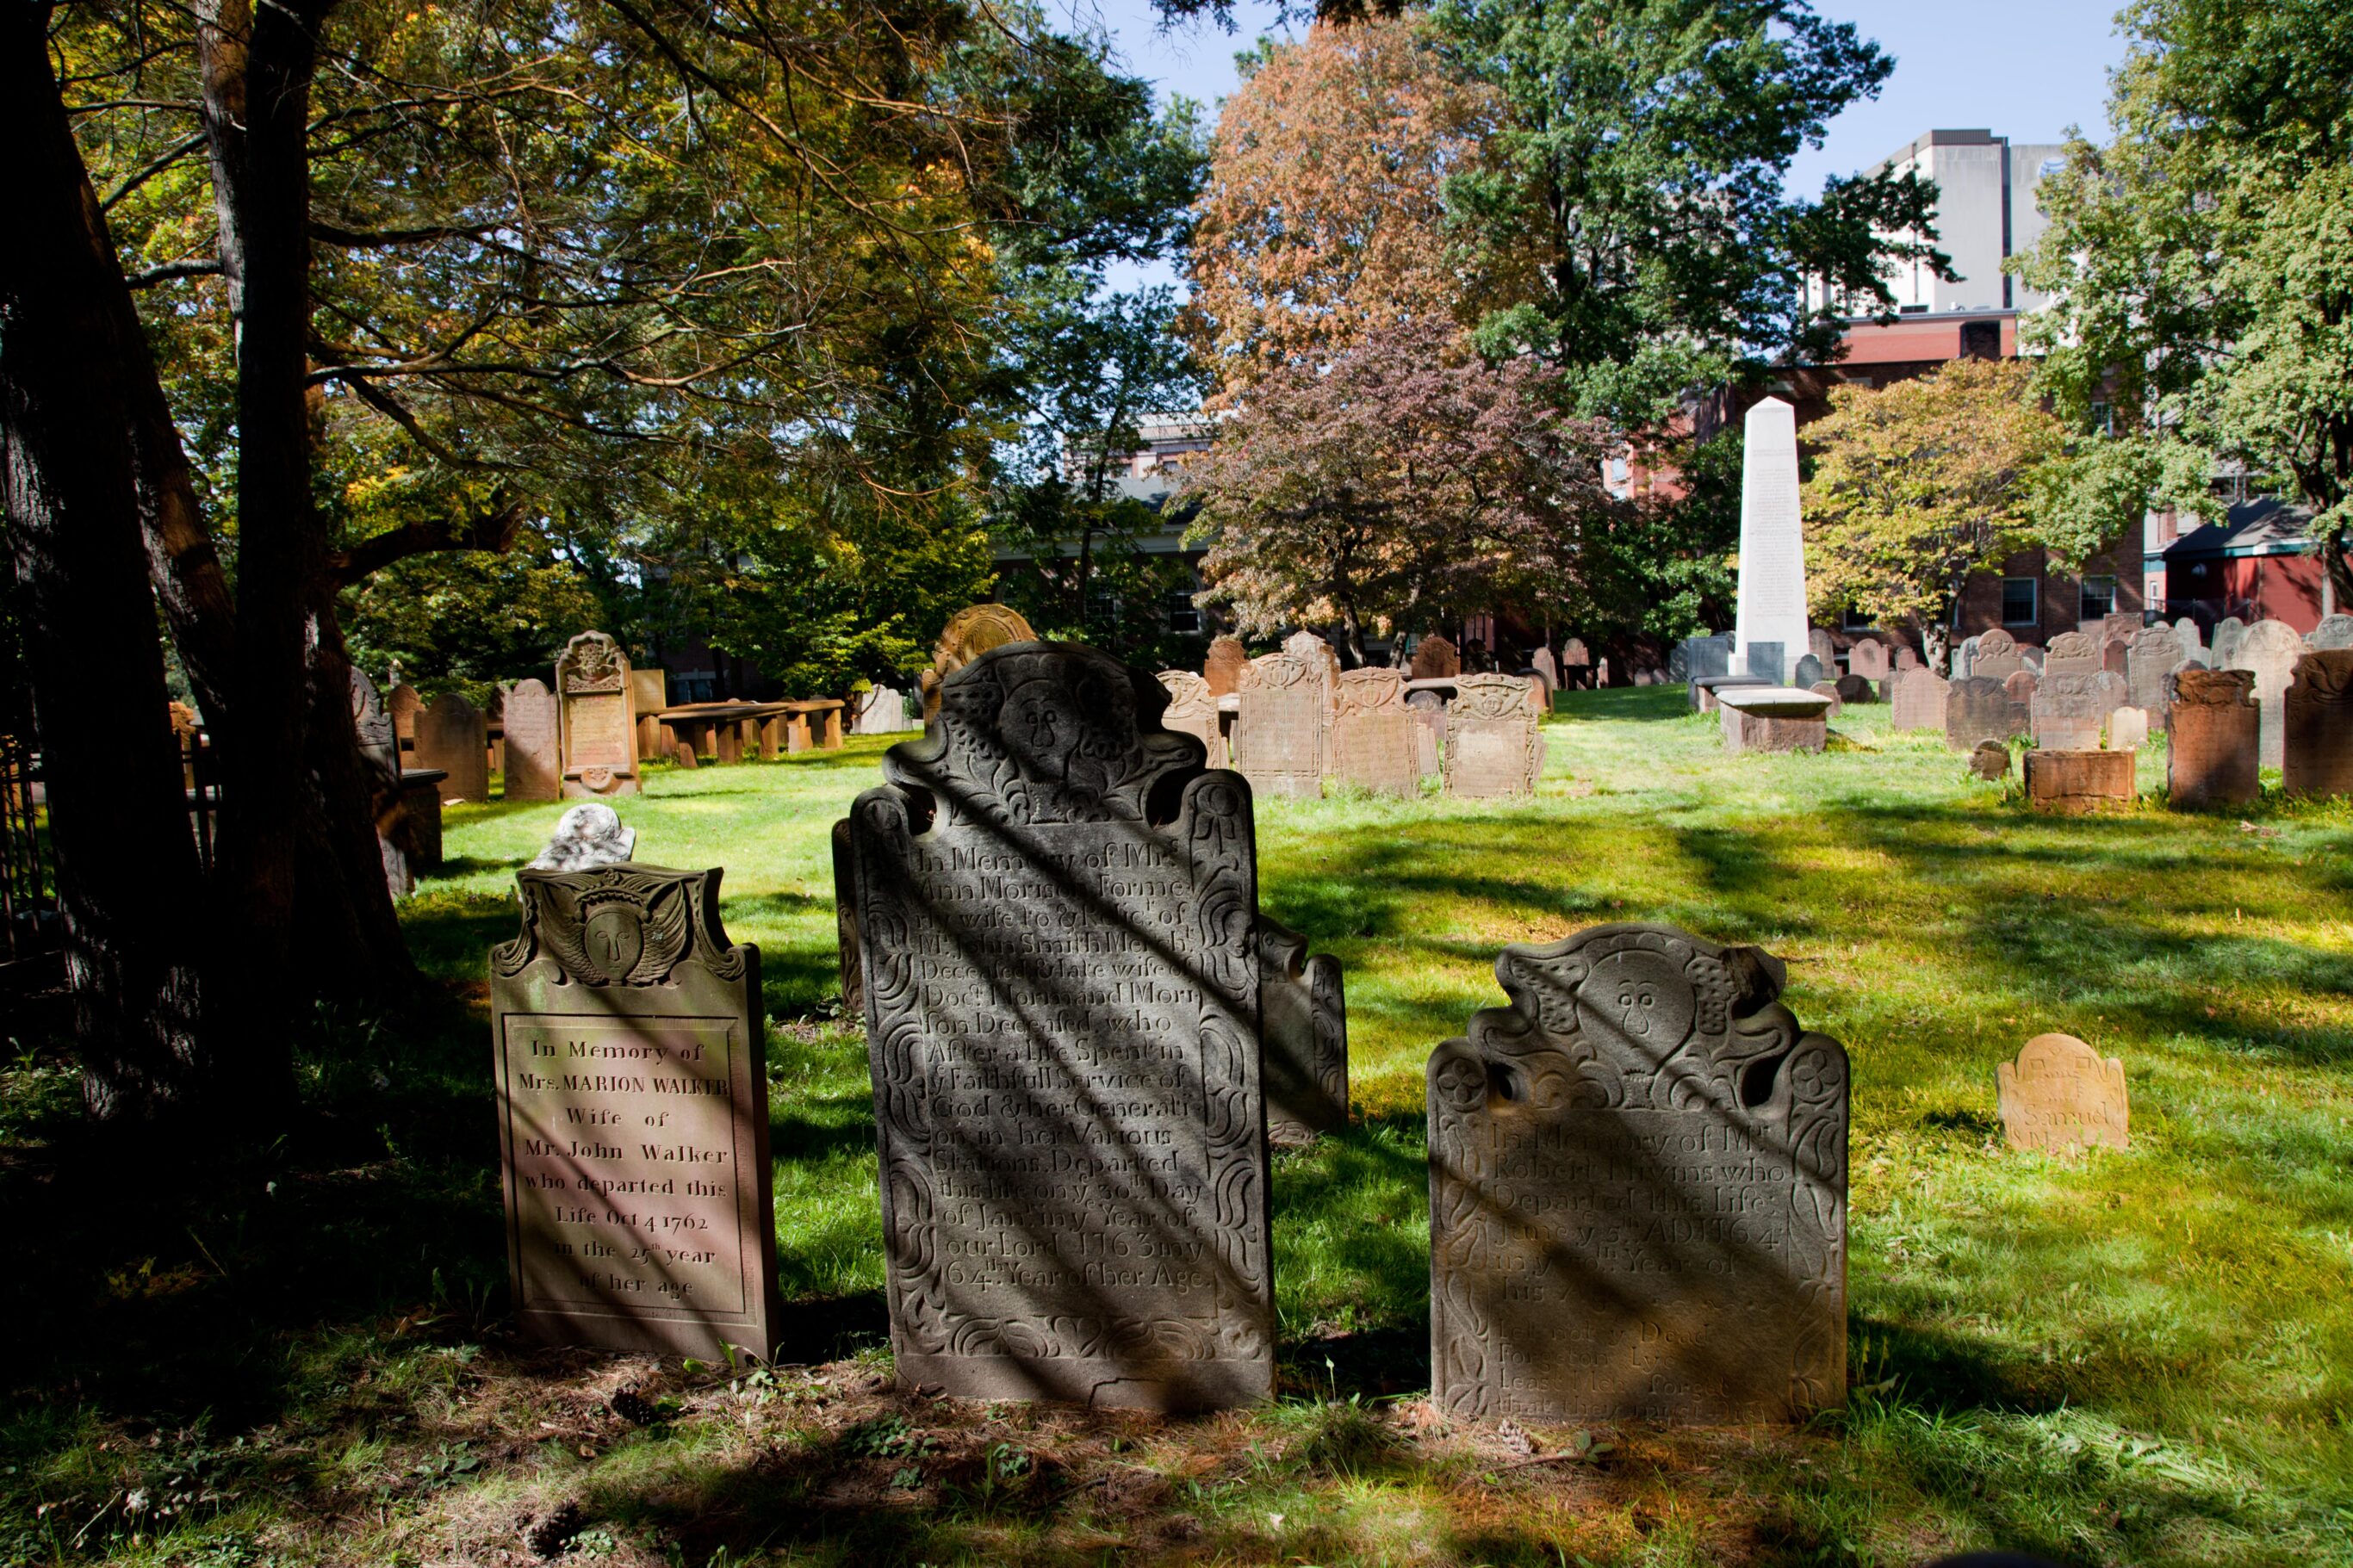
x: 1193, y: 711
x: 630, y: 1052
x: 1057, y: 920
x: 1637, y: 1191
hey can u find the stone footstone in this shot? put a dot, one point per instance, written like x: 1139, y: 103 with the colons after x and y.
x: 2074, y: 782
x: 2061, y: 1097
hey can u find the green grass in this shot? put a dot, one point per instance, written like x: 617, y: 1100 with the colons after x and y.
x: 2143, y: 1358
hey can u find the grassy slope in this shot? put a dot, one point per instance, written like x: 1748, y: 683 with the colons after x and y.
x: 2144, y: 1357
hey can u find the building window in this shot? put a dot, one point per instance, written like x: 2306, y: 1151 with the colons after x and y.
x: 2018, y: 601
x: 1853, y: 620
x: 1182, y: 618
x: 2099, y: 598
x: 2103, y: 418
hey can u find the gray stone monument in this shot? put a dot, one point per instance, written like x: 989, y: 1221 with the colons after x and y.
x: 1772, y: 595
x: 535, y: 751
x: 633, y: 1116
x: 1637, y: 1191
x: 1057, y: 914
x: 2069, y: 711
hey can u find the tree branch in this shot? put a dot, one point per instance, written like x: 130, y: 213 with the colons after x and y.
x: 493, y: 530
x: 172, y: 271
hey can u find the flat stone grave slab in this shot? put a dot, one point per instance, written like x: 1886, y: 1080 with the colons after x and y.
x: 1704, y: 689
x: 1773, y: 718
x: 2074, y: 782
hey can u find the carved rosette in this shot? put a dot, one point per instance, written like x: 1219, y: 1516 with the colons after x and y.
x: 1607, y: 1030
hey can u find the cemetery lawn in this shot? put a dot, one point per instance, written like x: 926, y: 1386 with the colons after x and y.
x: 2141, y: 1358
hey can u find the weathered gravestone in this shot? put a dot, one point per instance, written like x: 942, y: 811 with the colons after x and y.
x: 2268, y: 650
x: 1810, y: 672
x: 633, y: 1116
x: 1990, y: 761
x: 1855, y: 688
x: 1819, y: 643
x: 2212, y: 733
x: 1283, y: 727
x: 1303, y: 1020
x: 452, y: 735
x: 2033, y: 657
x: 1770, y: 606
x: 592, y: 688
x: 2074, y: 782
x: 1978, y: 709
x: 2022, y: 685
x: 1919, y: 699
x: 1435, y: 658
x: 1964, y: 659
x: 2061, y: 1096
x: 970, y: 632
x: 1224, y: 665
x: 2223, y: 647
x: 534, y: 751
x: 2334, y: 631
x: 2316, y: 740
x: 883, y: 711
x: 587, y: 836
x: 649, y: 695
x: 1766, y: 660
x: 2151, y: 654
x: 1706, y: 659
x: 1546, y: 669
x: 1906, y: 658
x: 1829, y: 689
x: 2127, y: 729
x: 1494, y: 746
x: 1868, y: 659
x: 1637, y: 1191
x: 2069, y: 711
x: 1057, y: 913
x: 2114, y: 657
x: 1193, y: 711
x: 1574, y: 656
x: 2071, y: 653
x: 1375, y: 741
x: 1997, y: 657
x: 404, y: 705
x: 2193, y: 642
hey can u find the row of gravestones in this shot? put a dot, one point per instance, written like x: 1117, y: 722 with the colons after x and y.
x: 578, y: 740
x: 1075, y: 1019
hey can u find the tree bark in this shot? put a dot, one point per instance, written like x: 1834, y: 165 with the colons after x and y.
x: 129, y: 887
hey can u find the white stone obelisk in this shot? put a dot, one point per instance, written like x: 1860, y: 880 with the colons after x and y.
x: 1772, y: 549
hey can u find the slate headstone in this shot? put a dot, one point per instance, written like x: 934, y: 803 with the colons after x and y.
x: 1810, y: 672
x: 1303, y: 1019
x: 1978, y: 708
x: 1062, y: 963
x: 632, y: 1091
x: 2316, y: 725
x: 1919, y: 699
x: 2151, y: 654
x: 2213, y: 733
x: 452, y: 735
x: 1771, y: 605
x: 535, y: 751
x: 2061, y: 1096
x: 599, y: 743
x: 1282, y: 727
x: 1637, y: 1191
x: 1494, y: 744
x: 379, y: 742
x: 2070, y: 711
x: 1375, y: 738
x: 1854, y: 689
x: 2269, y: 650
x: 1766, y: 661
x: 1705, y: 659
x: 1224, y: 665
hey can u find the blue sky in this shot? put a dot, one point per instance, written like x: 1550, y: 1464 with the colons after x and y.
x: 2020, y: 69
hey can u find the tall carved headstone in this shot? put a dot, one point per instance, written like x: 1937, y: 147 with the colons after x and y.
x: 1193, y: 711
x: 1637, y: 1191
x: 970, y: 632
x: 1997, y: 657
x: 1772, y: 593
x: 592, y: 690
x: 1978, y: 708
x: 2316, y: 725
x: 535, y: 751
x: 2070, y: 711
x: 452, y: 735
x: 633, y: 1116
x: 2268, y: 650
x: 1494, y: 744
x: 1436, y: 659
x: 2223, y: 647
x: 1375, y: 738
x: 2212, y: 737
x: 1919, y: 699
x: 1303, y: 1020
x: 1058, y: 918
x: 1283, y: 727
x: 1223, y: 667
x: 2071, y: 653
x: 2151, y: 654
x: 2062, y: 1096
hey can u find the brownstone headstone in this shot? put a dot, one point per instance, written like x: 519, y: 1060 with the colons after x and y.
x: 2212, y: 736
x: 2061, y: 1096
x: 404, y: 704
x: 649, y: 695
x: 1637, y: 1182
x: 1303, y: 1021
x: 2074, y: 782
x: 1374, y: 736
x: 1978, y: 709
x: 1919, y: 699
x: 1868, y: 659
x: 970, y: 632
x: 599, y: 733
x: 1574, y: 656
x: 1223, y: 669
x: 1990, y: 761
x: 2021, y: 685
x: 1829, y: 689
x: 1284, y: 726
x: 633, y: 1116
x: 1997, y: 657
x: 1435, y: 658
x: 2071, y: 653
x: 2316, y: 728
x: 2114, y: 660
x: 451, y: 735
x: 1193, y: 711
x: 1494, y: 744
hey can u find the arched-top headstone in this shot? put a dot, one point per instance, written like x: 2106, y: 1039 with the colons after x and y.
x: 2127, y: 729
x: 1637, y: 1174
x: 2316, y: 725
x: 1435, y: 658
x: 970, y: 632
x: 2213, y: 732
x: 2193, y: 642
x: 1074, y: 1198
x: 1906, y: 658
x: 404, y: 704
x: 1547, y: 670
x: 2023, y: 684
x: 2071, y: 653
x: 2334, y: 631
x: 592, y: 691
x: 2223, y: 647
x: 1193, y: 711
x: 1868, y: 659
x: 1819, y: 643
x: 1977, y: 709
x: 534, y: 769
x: 1224, y: 665
x: 1995, y: 656
x: 1919, y: 699
x: 1808, y: 671
x: 1494, y: 744
x: 2151, y: 654
x: 2269, y: 650
x: 452, y: 735
x: 2061, y: 1096
x: 1573, y: 654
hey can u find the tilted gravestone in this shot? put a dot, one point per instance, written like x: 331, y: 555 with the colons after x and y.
x: 1868, y: 659
x: 2069, y: 711
x: 1283, y: 729
x: 1223, y: 667
x: 1919, y: 699
x: 592, y: 690
x: 969, y: 632
x: 2316, y: 725
x: 2127, y: 729
x: 1996, y: 657
x: 633, y: 1116
x: 1193, y: 711
x: 2269, y: 650
x: 2062, y: 1096
x: 2071, y: 653
x: 2151, y: 654
x: 534, y: 750
x: 2334, y: 631
x: 2212, y: 737
x: 1637, y: 1191
x: 1374, y: 737
x: 1978, y: 708
x: 1494, y: 745
x: 452, y: 735
x: 1303, y: 1020
x: 1435, y: 658
x: 1057, y: 914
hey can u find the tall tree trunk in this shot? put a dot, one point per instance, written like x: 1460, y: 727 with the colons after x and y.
x: 128, y: 879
